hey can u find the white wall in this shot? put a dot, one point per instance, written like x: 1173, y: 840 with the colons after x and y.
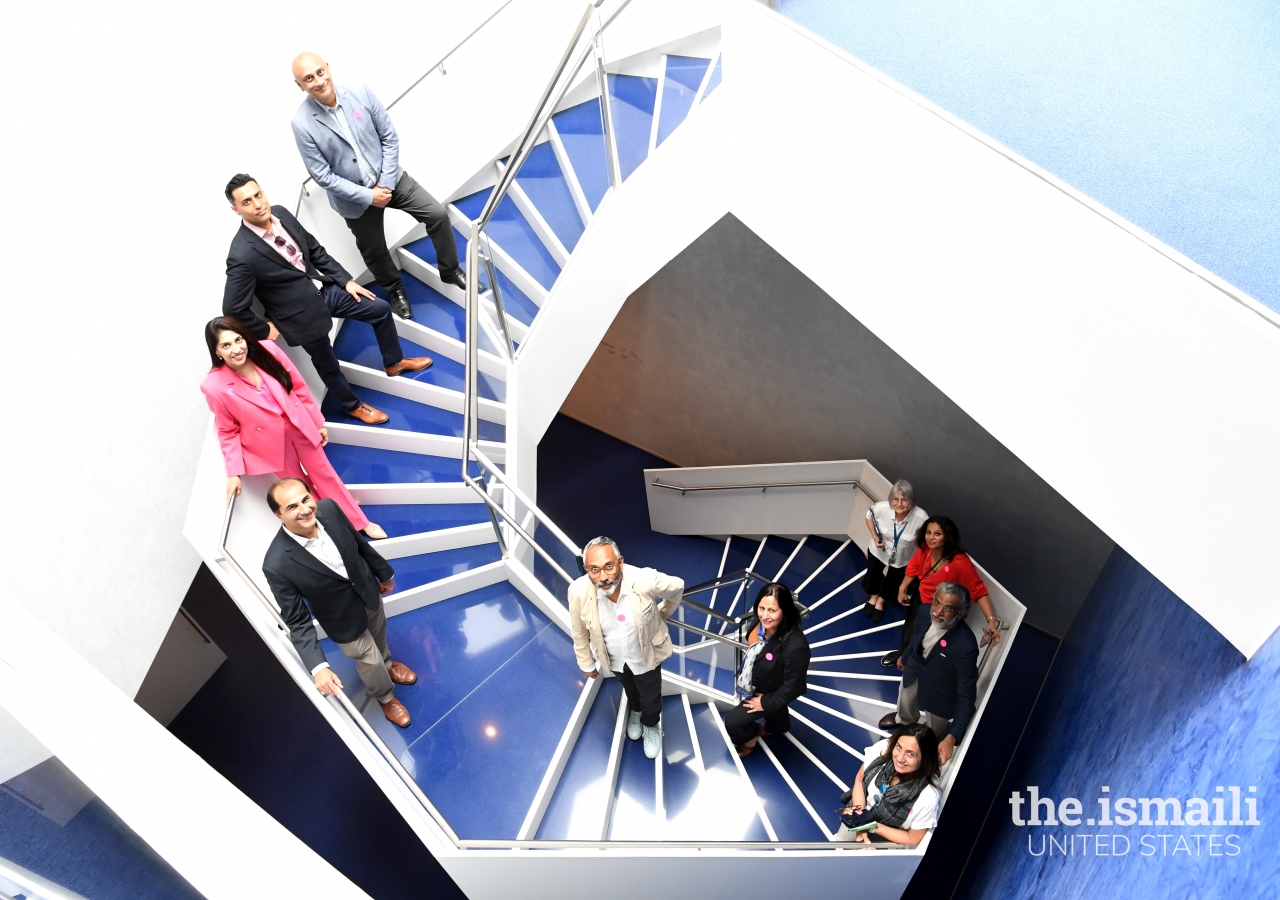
x: 1103, y: 360
x: 127, y: 121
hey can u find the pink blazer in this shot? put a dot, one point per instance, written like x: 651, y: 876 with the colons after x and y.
x: 253, y: 436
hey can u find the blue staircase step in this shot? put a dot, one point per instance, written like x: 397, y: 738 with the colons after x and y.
x: 699, y: 672
x: 855, y: 736
x: 400, y: 519
x: 724, y: 808
x: 482, y: 762
x: 683, y: 76
x: 714, y: 81
x: 409, y: 415
x: 544, y: 184
x: 821, y: 792
x: 635, y: 816
x: 843, y: 764
x: 368, y: 465
x: 514, y: 301
x: 680, y: 773
x: 576, y: 810
x: 426, y: 251
x: 632, y: 99
x: 581, y: 132
x: 513, y: 233
x: 790, y: 820
x: 424, y: 568
x: 356, y: 344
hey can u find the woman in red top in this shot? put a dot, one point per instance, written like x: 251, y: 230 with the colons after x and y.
x: 940, y: 558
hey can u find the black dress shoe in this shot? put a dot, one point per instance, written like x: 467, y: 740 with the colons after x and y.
x: 400, y: 304
x: 876, y: 615
x: 889, y: 722
x: 456, y: 278
x: 890, y: 658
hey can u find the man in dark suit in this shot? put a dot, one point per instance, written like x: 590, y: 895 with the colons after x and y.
x: 319, y: 556
x: 301, y: 287
x: 940, y: 671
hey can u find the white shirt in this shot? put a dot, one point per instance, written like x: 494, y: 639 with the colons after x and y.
x: 924, y: 812
x: 324, y: 549
x: 619, y: 629
x: 931, y: 637
x: 907, y: 531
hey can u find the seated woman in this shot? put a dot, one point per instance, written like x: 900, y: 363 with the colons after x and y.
x: 895, y: 792
x: 939, y: 558
x: 267, y: 420
x: 773, y: 669
x: 895, y: 526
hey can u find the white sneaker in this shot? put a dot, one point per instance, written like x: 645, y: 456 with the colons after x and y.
x: 634, y: 727
x: 652, y: 742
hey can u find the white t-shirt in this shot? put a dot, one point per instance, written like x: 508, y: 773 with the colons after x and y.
x: 620, y: 637
x: 924, y: 812
x: 908, y: 530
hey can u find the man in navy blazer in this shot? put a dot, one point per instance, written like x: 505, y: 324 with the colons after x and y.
x: 940, y: 671
x: 352, y: 150
x: 301, y: 287
x: 318, y: 555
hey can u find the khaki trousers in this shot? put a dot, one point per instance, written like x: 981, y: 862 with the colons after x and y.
x: 373, y: 657
x: 909, y: 710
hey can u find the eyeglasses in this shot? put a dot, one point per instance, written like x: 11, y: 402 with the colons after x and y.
x: 948, y: 610
x: 608, y: 569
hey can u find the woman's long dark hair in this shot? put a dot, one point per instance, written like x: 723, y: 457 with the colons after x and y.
x: 786, y: 601
x: 258, y: 354
x: 930, y: 763
x: 950, y: 535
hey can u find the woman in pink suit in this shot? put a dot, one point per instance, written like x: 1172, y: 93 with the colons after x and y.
x: 267, y: 419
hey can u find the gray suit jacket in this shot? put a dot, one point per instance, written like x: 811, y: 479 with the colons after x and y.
x: 330, y: 158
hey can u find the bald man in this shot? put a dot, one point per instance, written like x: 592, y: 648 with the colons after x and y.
x: 351, y: 149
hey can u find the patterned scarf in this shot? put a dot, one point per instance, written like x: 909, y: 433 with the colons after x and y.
x: 896, y: 800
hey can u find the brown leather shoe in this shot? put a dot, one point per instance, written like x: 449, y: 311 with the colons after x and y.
x: 402, y: 674
x: 368, y: 415
x: 410, y: 364
x: 395, y: 711
x: 889, y: 722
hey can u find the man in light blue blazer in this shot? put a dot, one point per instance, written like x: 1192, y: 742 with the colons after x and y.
x: 351, y: 149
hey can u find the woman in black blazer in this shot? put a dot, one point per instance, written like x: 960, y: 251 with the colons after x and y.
x: 773, y: 669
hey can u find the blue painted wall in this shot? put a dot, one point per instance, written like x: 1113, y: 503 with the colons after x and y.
x: 1146, y: 698
x: 1166, y: 111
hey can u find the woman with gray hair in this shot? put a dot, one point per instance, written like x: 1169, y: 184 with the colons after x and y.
x: 895, y: 526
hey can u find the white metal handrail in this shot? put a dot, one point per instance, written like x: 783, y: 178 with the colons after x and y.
x: 762, y: 487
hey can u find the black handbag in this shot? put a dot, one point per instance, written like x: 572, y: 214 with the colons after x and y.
x: 857, y: 820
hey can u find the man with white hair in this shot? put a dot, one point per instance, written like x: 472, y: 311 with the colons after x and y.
x: 619, y: 621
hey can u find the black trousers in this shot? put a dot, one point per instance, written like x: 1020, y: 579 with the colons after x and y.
x: 876, y: 582
x: 741, y: 724
x: 377, y: 313
x: 644, y: 692
x: 909, y: 624
x: 371, y: 239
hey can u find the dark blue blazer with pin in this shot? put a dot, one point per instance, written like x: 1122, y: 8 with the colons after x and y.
x: 948, y: 676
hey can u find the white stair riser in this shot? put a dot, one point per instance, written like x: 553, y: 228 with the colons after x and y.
x: 409, y: 441
x: 420, y: 392
x: 436, y: 541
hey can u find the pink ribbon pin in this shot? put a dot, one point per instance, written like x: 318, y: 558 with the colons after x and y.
x: 621, y: 618
x: 359, y: 114
x: 944, y: 643
x: 768, y: 656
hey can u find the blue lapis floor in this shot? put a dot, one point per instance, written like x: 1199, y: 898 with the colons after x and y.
x: 481, y: 738
x: 412, y: 571
x: 515, y: 235
x: 368, y: 465
x: 400, y: 519
x: 576, y: 810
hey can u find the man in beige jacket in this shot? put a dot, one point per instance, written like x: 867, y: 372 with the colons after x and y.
x: 619, y: 620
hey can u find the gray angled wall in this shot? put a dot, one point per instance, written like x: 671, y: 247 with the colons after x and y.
x: 729, y: 355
